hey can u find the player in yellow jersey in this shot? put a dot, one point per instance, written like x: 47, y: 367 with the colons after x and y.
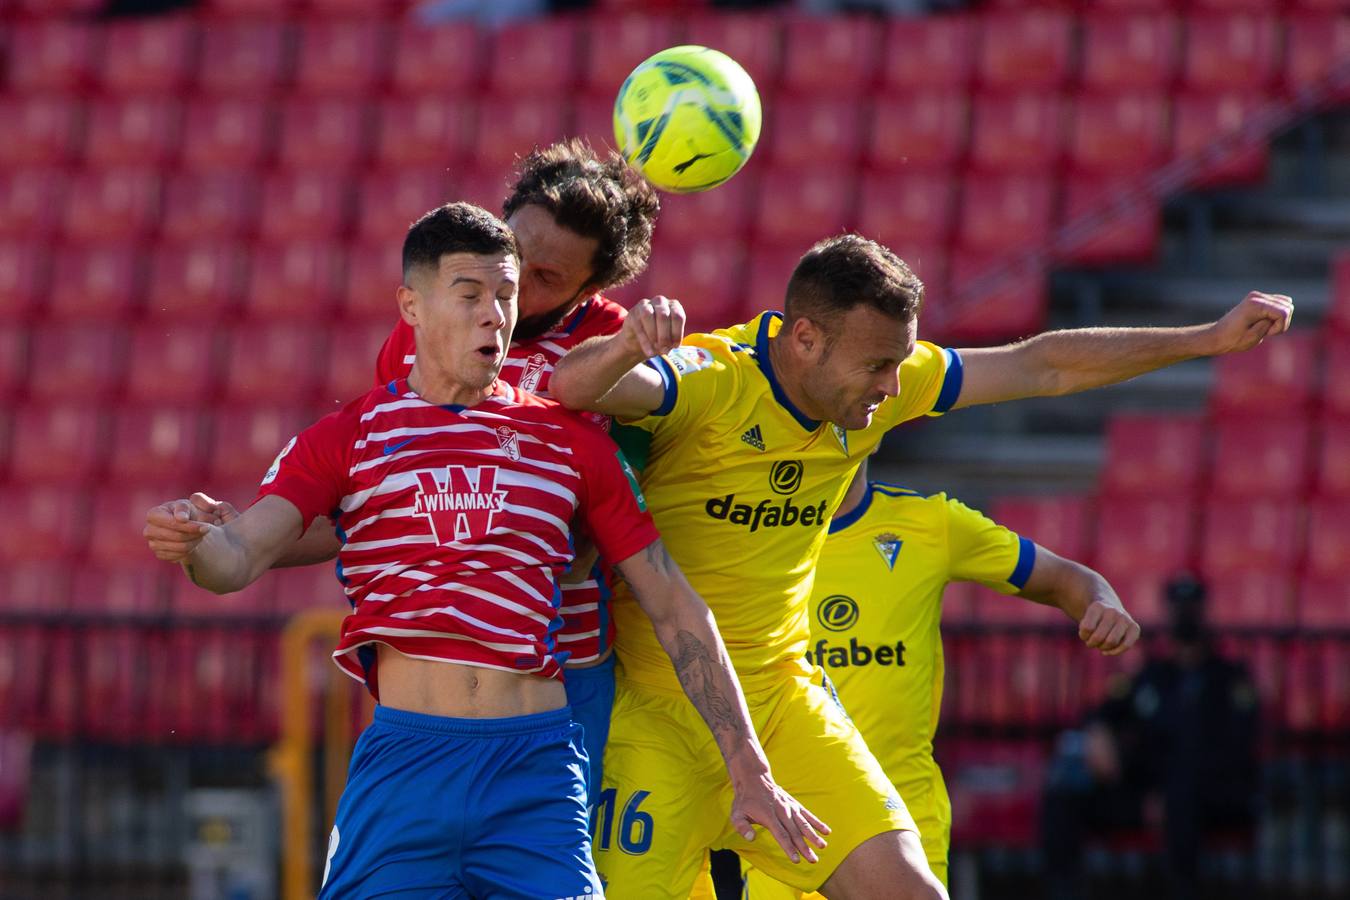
x: 875, y: 611
x: 756, y: 431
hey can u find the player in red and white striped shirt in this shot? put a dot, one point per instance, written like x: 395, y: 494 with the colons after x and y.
x: 455, y: 496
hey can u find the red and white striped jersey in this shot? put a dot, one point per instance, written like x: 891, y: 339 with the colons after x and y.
x: 588, y: 630
x: 456, y: 521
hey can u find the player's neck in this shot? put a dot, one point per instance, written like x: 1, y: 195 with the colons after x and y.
x: 790, y: 377
x: 857, y: 489
x: 443, y: 390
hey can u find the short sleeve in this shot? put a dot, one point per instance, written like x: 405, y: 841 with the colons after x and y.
x: 930, y: 384
x: 310, y: 471
x: 396, y: 356
x: 611, y: 504
x: 695, y: 380
x: 982, y: 550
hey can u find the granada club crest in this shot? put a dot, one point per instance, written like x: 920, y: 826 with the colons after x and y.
x: 461, y: 503
x: 509, y: 441
x: 534, y: 370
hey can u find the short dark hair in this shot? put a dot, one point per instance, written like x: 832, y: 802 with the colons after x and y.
x: 455, y: 228
x: 603, y: 199
x: 849, y: 270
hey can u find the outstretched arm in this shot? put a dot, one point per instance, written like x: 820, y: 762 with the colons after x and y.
x: 229, y: 557
x: 686, y: 629
x: 1065, y: 362
x: 171, y: 530
x: 605, y: 374
x: 1084, y: 596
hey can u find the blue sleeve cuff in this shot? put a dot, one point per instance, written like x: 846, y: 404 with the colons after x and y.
x: 1026, y: 561
x: 951, y: 383
x: 670, y: 383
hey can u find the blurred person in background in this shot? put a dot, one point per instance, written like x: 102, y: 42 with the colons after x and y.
x: 1175, y: 744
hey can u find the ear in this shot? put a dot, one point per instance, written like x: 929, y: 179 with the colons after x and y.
x: 807, y: 338
x: 409, y: 304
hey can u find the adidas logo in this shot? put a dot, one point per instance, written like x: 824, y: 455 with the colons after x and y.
x: 754, y: 438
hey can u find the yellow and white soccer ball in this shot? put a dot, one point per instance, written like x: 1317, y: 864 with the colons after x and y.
x: 688, y: 118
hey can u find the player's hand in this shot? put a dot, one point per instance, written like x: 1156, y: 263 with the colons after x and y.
x: 762, y: 802
x: 654, y: 326
x: 174, y: 529
x: 1107, y: 627
x: 1256, y: 318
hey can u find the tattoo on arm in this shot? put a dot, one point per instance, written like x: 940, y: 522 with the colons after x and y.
x: 659, y: 559
x: 698, y: 670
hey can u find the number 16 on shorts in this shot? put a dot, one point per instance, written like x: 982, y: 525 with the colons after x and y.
x: 634, y: 826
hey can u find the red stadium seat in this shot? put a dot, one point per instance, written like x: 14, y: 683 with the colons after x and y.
x: 116, y: 681
x: 1316, y: 44
x: 39, y: 129
x: 57, y: 443
x: 593, y: 118
x: 374, y: 272
x: 616, y: 44
x: 341, y: 58
x: 455, y: 46
x: 1145, y: 534
x: 1125, y: 133
x: 123, y: 589
x: 205, y: 205
x: 1260, y: 456
x: 1250, y: 5
x: 1107, y: 222
x: 247, y: 59
x: 819, y: 130
x: 710, y: 215
x: 24, y: 267
x: 43, y: 523
x: 13, y: 372
x: 535, y: 57
x: 187, y: 601
x: 1328, y: 538
x: 96, y: 282
x: 1006, y: 213
x: 1335, y: 374
x: 1251, y: 598
x: 907, y: 207
x: 1338, y: 316
x: 919, y: 129
x: 30, y: 202
x: 513, y: 126
x: 752, y: 39
x: 151, y: 55
x: 769, y: 270
x: 1231, y: 51
x: 928, y: 261
x: 996, y: 790
x: 116, y: 204
x: 250, y: 8
x: 296, y: 281
x: 156, y: 443
x: 51, y: 56
x: 349, y: 366
x: 327, y: 132
x: 1333, y: 466
x: 1279, y: 375
x: 706, y: 277
x: 958, y: 604
x: 1017, y: 132
x: 119, y: 516
x: 427, y: 132
x: 1141, y: 592
x: 837, y: 54
x: 308, y: 587
x: 195, y: 282
x: 247, y: 439
x: 991, y: 299
x: 390, y: 200
x: 272, y: 363
x: 1125, y: 51
x: 132, y: 130
x: 1242, y: 535
x: 1154, y: 454
x: 1031, y: 48
x: 929, y: 52
x: 172, y: 363
x: 227, y: 134
x: 1058, y: 523
x: 1204, y: 123
x: 800, y: 205
x: 1321, y: 602
x: 305, y: 205
x: 76, y: 362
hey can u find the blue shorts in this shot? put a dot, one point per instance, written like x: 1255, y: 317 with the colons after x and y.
x: 459, y: 808
x: 590, y: 693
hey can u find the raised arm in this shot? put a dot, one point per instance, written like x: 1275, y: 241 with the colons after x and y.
x: 1065, y: 362
x: 606, y: 374
x: 686, y: 629
x: 229, y: 557
x: 1084, y: 596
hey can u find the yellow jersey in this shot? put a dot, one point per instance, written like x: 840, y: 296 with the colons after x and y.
x: 875, y: 612
x: 742, y: 486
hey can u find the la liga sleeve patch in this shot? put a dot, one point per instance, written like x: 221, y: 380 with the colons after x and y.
x: 689, y: 359
x: 272, y: 473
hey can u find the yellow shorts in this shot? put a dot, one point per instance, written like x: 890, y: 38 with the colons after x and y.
x: 665, y: 799
x: 926, y: 797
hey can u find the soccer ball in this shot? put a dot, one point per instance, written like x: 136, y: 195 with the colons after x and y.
x: 687, y: 118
